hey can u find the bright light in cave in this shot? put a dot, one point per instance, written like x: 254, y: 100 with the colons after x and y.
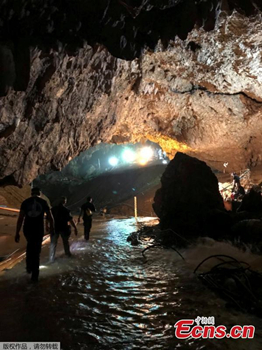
x: 109, y: 157
x: 142, y: 161
x: 109, y: 173
x: 146, y: 153
x: 128, y: 155
x: 113, y: 161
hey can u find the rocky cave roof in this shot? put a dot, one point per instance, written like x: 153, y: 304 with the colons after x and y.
x: 185, y: 74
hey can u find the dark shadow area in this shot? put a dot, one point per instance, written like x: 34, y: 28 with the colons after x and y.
x: 124, y: 27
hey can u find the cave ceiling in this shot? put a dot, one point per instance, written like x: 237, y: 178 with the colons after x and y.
x: 185, y: 74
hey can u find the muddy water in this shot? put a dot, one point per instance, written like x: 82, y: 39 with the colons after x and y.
x: 109, y: 297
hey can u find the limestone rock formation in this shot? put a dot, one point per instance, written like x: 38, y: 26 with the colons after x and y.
x: 192, y: 85
x: 188, y: 196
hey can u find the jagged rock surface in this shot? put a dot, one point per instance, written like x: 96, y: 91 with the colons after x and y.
x: 202, y: 94
x: 188, y: 196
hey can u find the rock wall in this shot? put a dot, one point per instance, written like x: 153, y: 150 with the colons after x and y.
x: 188, y: 197
x: 193, y: 90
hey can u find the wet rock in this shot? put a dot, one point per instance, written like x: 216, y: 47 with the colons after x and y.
x: 186, y: 83
x: 218, y: 224
x: 249, y: 232
x: 252, y: 203
x: 189, y: 194
x: 133, y: 239
x: 243, y: 215
x: 158, y: 202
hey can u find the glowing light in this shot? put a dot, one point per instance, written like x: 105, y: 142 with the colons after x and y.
x: 113, y: 161
x: 142, y: 161
x: 128, y: 155
x: 146, y: 153
x: 169, y: 145
x: 164, y: 161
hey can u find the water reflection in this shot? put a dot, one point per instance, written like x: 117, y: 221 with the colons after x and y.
x: 108, y: 297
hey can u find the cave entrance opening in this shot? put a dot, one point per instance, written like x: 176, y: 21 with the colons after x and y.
x: 112, y: 175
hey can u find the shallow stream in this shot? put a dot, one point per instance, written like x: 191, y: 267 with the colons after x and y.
x: 109, y: 297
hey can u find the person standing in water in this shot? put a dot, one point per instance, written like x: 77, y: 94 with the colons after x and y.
x: 31, y: 216
x: 61, y: 216
x: 86, y: 212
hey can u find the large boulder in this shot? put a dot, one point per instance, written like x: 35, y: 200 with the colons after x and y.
x: 189, y: 197
x: 248, y: 232
x: 252, y: 203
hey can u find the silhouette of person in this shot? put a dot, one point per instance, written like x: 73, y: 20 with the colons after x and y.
x: 86, y: 212
x: 236, y: 180
x: 61, y: 217
x: 32, y: 217
x: 240, y: 191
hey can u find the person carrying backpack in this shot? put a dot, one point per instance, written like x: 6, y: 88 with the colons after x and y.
x: 62, y: 217
x: 86, y: 213
x: 31, y: 216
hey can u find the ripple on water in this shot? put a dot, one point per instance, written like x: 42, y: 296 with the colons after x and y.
x: 109, y: 297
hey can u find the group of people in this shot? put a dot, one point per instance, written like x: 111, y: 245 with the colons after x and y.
x: 58, y: 223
